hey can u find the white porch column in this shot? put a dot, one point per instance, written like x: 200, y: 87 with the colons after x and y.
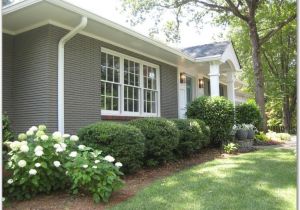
x: 214, y: 74
x: 230, y: 86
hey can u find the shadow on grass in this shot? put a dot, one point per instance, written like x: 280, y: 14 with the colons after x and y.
x: 260, y: 180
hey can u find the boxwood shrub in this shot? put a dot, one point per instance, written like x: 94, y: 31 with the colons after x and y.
x: 248, y: 113
x: 192, y: 137
x: 217, y: 112
x: 161, y: 138
x: 122, y: 141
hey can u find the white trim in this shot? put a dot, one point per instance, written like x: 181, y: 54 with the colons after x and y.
x: 141, y: 88
x: 208, y: 58
x: 60, y: 73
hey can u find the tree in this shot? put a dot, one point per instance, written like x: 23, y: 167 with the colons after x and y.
x: 244, y: 10
x: 278, y: 63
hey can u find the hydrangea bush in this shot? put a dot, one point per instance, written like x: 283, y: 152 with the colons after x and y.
x: 41, y: 163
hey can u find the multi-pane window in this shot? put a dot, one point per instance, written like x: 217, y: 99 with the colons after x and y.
x: 150, y: 89
x: 129, y: 86
x: 110, y: 82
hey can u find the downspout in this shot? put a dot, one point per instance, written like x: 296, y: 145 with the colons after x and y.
x: 61, y: 71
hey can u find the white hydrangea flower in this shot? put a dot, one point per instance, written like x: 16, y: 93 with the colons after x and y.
x: 3, y: 199
x: 63, y: 145
x: 94, y: 167
x: 22, y: 163
x: 39, y: 153
x: 30, y: 133
x: 32, y: 172
x: 56, y: 163
x: 22, y: 136
x: 42, y: 127
x: 73, y: 154
x: 81, y: 147
x: 59, y: 149
x: 44, y: 137
x: 97, y: 161
x: 109, y: 158
x: 66, y: 135
x: 38, y: 148
x: 15, y: 145
x: 74, y: 138
x: 24, y: 148
x: 118, y: 164
x: 39, y: 133
x: 10, y: 181
x: 37, y: 165
x: 33, y: 128
x: 10, y: 164
x: 56, y: 135
x: 56, y: 145
x: 85, y: 166
x: 67, y: 172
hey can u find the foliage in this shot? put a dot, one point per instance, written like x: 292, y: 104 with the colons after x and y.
x: 191, y: 138
x: 38, y: 163
x: 248, y: 113
x: 230, y: 148
x: 217, y: 113
x: 124, y: 142
x: 261, y: 137
x: 161, y: 138
x: 278, y: 136
x: 93, y: 173
x: 7, y: 134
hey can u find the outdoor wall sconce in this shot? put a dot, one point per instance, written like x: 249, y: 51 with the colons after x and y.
x: 182, y: 77
x: 201, y: 83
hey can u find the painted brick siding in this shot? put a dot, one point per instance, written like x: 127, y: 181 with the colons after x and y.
x: 7, y: 73
x: 82, y: 76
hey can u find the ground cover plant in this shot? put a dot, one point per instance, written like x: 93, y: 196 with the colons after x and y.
x: 265, y: 179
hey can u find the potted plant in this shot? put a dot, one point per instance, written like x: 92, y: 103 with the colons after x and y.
x: 251, y: 131
x: 240, y: 131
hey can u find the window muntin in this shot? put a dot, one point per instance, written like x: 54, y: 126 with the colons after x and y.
x: 134, y: 89
x: 150, y: 86
x: 110, y: 82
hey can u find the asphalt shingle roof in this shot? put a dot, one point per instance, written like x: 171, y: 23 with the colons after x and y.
x: 199, y: 51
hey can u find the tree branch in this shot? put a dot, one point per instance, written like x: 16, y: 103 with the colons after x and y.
x: 279, y: 26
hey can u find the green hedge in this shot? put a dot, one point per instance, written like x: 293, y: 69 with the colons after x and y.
x: 193, y: 136
x: 161, y: 138
x: 248, y: 113
x: 124, y: 142
x: 217, y: 112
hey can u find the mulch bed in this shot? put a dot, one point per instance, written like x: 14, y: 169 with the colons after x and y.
x: 133, y: 183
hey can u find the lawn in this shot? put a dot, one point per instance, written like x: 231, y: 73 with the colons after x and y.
x: 265, y: 179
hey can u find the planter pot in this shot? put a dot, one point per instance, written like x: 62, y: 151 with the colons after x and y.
x: 251, y: 134
x: 241, y: 134
x: 245, y: 145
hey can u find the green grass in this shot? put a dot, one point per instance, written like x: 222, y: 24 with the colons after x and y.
x: 260, y: 180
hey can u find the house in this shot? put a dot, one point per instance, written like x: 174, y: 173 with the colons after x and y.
x: 66, y: 67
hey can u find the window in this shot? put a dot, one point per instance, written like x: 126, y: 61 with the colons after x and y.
x: 129, y: 86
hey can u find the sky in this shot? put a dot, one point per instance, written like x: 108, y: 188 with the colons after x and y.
x: 111, y: 9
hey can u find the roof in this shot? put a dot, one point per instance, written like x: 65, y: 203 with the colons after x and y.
x: 216, y: 48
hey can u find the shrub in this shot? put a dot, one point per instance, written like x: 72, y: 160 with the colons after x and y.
x: 271, y: 135
x: 39, y: 163
x: 95, y: 174
x: 217, y: 112
x: 191, y: 138
x: 248, y: 113
x: 230, y: 148
x: 161, y: 138
x: 261, y: 137
x: 7, y: 135
x: 122, y: 141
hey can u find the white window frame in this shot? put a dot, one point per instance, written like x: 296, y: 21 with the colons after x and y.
x: 121, y: 111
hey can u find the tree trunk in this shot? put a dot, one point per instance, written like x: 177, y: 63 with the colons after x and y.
x: 258, y: 73
x: 286, y: 114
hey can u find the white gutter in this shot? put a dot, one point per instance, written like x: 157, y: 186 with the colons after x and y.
x: 61, y: 71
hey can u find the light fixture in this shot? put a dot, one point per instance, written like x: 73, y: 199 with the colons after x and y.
x: 201, y: 83
x: 182, y: 77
